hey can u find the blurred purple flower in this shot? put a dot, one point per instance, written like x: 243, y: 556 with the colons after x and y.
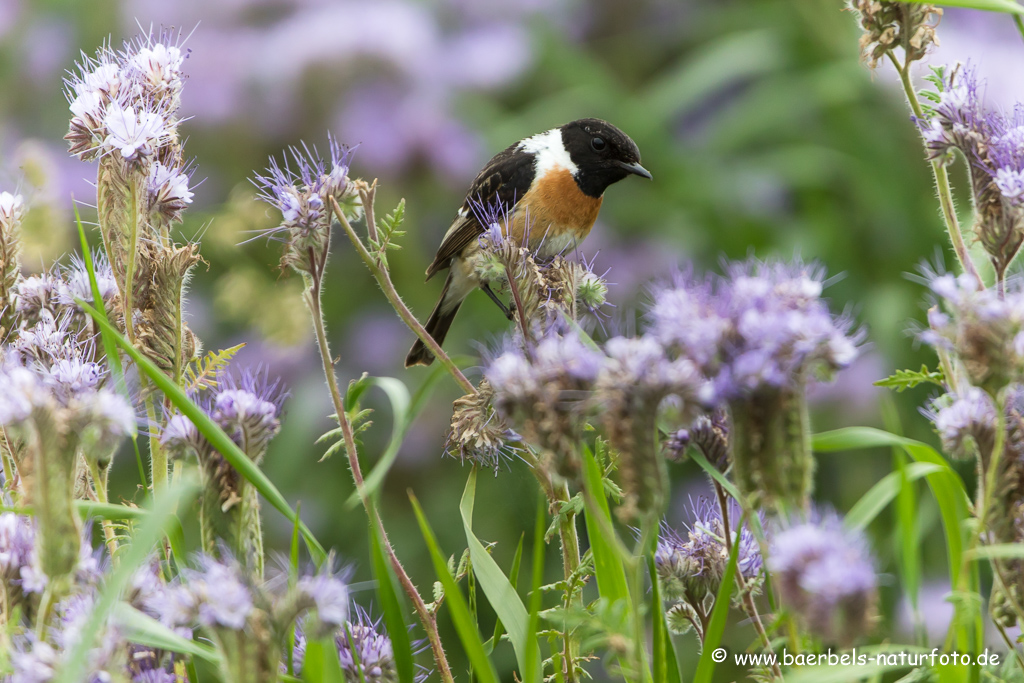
x: 222, y: 597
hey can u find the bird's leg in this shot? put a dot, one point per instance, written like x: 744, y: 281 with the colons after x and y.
x: 494, y: 297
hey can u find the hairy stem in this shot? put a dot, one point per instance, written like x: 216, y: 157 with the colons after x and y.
x: 941, y: 181
x: 384, y: 281
x: 427, y: 618
x: 99, y: 482
x: 749, y: 606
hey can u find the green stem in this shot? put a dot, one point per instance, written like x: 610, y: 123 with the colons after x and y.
x: 99, y: 482
x: 749, y: 606
x: 427, y: 618
x: 157, y: 456
x: 384, y: 281
x: 941, y: 181
x: 7, y: 456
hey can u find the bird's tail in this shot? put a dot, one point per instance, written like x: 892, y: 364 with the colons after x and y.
x: 437, y: 326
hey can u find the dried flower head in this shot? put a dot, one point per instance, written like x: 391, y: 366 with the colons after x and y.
x: 825, y: 574
x: 888, y: 25
x: 709, y: 433
x: 478, y: 434
x: 12, y: 212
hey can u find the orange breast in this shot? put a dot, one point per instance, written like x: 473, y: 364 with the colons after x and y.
x: 555, y: 211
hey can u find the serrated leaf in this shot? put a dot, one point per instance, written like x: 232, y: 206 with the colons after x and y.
x: 902, y: 380
x: 202, y: 374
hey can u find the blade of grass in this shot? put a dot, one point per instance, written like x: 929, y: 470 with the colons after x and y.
x: 865, y: 510
x: 212, y: 431
x: 716, y: 627
x: 611, y: 575
x: 461, y: 617
x: 1004, y: 6
x: 499, y: 591
x: 398, y: 395
x: 161, y: 512
x: 513, y: 578
x: 143, y: 629
x: 666, y: 664
x: 391, y: 605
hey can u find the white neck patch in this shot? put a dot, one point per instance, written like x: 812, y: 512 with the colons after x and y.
x: 549, y: 150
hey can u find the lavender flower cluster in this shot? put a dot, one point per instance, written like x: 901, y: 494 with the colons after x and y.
x: 992, y: 143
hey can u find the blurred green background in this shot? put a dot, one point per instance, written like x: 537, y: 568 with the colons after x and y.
x: 764, y: 133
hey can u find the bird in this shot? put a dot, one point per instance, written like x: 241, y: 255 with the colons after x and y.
x: 550, y: 187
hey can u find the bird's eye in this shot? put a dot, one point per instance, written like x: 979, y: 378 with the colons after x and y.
x: 598, y: 144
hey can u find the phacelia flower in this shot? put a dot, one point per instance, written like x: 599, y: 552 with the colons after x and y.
x: 222, y: 597
x: 12, y: 210
x: 634, y: 379
x: 546, y: 390
x: 966, y: 423
x: 169, y: 193
x: 990, y: 141
x: 329, y: 594
x: 983, y: 328
x: 134, y: 134
x: 824, y: 573
x: 691, y: 566
x: 301, y: 190
x: 75, y: 284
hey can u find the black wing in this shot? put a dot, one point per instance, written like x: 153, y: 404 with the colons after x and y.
x: 504, y: 180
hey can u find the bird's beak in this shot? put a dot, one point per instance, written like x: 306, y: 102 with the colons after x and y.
x: 636, y: 169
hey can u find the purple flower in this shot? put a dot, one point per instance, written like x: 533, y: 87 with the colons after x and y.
x: 692, y: 567
x: 24, y: 391
x: 134, y: 134
x: 222, y: 597
x: 36, y: 664
x: 301, y: 190
x: 824, y: 573
x: 17, y: 547
x: 983, y: 328
x: 75, y: 283
x: 330, y: 596
x: 169, y: 194
x: 686, y: 317
x: 371, y: 645
x: 35, y: 293
x: 966, y: 423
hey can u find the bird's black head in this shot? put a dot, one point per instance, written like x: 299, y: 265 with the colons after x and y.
x: 603, y: 154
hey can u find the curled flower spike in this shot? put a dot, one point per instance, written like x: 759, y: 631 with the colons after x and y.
x: 221, y: 597
x: 301, y: 191
x: 478, y: 434
x: 888, y: 25
x: 248, y: 408
x: 692, y: 567
x: 546, y: 390
x: 966, y: 423
x: 824, y: 573
x: 760, y: 334
x: 635, y: 378
x: 991, y: 142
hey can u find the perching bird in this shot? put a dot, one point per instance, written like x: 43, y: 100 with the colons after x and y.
x: 551, y: 186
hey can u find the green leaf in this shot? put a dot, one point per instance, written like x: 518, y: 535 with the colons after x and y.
x: 320, y: 664
x: 513, y: 578
x: 716, y: 626
x: 211, y: 430
x: 666, y: 664
x: 391, y: 605
x: 881, y: 494
x: 998, y: 551
x: 1004, y: 6
x: 145, y: 630
x: 946, y: 485
x: 160, y: 515
x: 902, y: 380
x: 611, y: 575
x: 398, y: 395
x: 202, y: 374
x: 499, y: 591
x: 461, y: 616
